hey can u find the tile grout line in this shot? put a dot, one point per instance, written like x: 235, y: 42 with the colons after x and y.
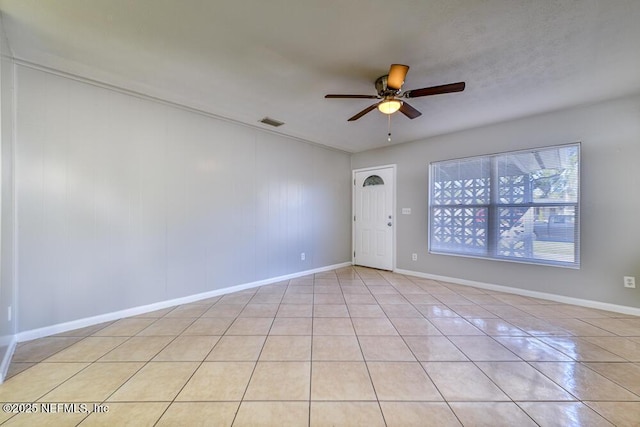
x: 197, y: 367
x: 160, y: 351
x: 201, y: 363
x: 366, y: 363
x: 255, y: 366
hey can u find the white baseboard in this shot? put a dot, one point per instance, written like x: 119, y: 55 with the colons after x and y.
x: 134, y: 311
x: 6, y: 359
x: 634, y: 311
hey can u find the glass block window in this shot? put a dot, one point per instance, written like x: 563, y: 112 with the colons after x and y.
x: 518, y: 206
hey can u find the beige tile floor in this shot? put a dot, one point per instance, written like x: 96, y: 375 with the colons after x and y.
x: 350, y: 347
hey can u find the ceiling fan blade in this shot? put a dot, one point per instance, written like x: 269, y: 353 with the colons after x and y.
x: 409, y: 111
x: 353, y: 96
x: 397, y: 73
x: 363, y: 112
x: 435, y: 90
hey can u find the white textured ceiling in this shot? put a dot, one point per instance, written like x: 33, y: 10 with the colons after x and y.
x: 247, y: 59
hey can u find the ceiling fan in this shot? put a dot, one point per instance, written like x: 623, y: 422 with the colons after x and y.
x: 389, y: 88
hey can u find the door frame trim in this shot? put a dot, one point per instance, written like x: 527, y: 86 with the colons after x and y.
x: 394, y: 169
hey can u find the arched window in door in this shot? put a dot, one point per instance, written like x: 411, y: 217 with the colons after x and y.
x: 373, y: 180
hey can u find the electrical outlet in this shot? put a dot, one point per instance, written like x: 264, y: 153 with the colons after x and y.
x: 629, y: 282
x: 414, y: 257
x: 302, y: 256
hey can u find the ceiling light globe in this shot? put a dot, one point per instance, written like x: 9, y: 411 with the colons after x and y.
x: 389, y: 106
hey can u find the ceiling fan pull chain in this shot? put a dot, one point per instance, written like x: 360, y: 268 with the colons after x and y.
x: 389, y: 129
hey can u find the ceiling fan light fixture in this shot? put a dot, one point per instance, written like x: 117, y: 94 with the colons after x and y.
x: 389, y: 106
x: 389, y: 88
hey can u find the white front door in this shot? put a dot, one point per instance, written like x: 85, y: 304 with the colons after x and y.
x: 374, y: 220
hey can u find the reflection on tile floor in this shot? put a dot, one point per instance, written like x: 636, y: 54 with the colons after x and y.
x: 349, y: 347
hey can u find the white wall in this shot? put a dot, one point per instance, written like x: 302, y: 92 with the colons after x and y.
x: 123, y: 201
x: 610, y: 196
x: 7, y: 287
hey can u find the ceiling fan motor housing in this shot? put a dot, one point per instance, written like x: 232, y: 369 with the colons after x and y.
x: 383, y: 90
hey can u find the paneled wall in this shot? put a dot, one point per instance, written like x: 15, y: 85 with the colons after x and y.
x: 7, y: 286
x: 123, y: 201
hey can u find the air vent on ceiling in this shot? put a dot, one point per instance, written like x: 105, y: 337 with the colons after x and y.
x: 271, y: 122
